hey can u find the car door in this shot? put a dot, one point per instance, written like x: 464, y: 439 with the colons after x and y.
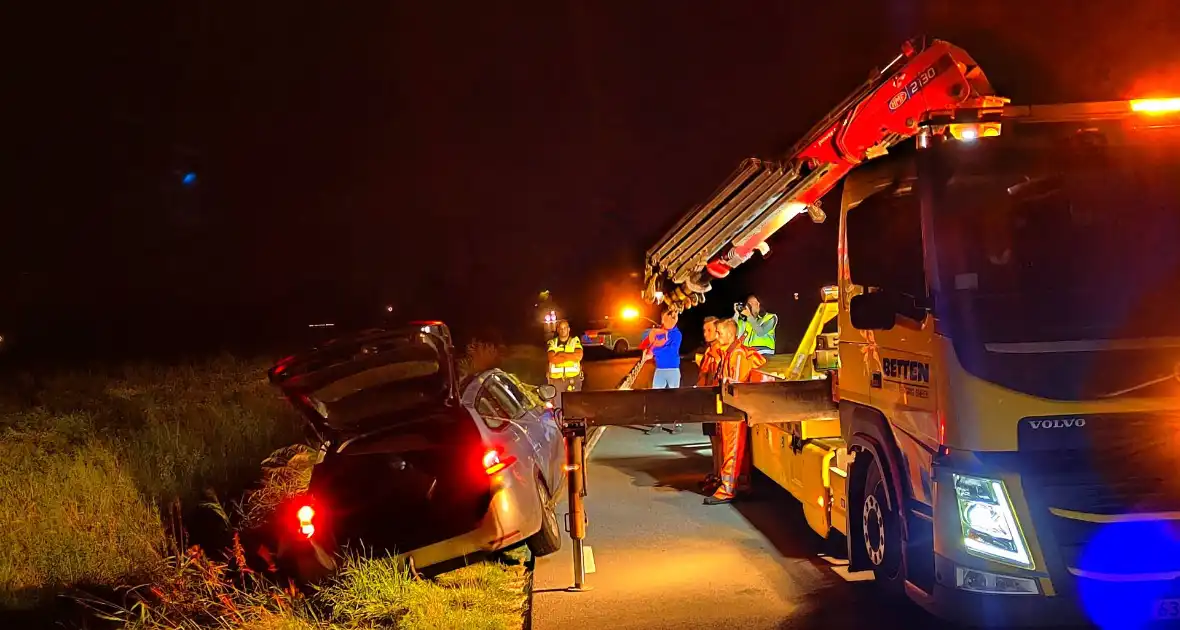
x: 540, y: 424
x: 504, y: 417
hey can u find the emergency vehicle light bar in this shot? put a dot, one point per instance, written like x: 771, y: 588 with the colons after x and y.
x: 1156, y: 105
x: 1068, y: 112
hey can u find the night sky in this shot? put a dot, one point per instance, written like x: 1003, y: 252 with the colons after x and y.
x: 452, y: 158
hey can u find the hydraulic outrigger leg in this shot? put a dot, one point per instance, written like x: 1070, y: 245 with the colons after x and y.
x: 575, y: 467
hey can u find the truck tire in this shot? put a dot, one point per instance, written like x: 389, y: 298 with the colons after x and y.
x: 881, y: 530
x: 548, y: 539
x: 621, y: 346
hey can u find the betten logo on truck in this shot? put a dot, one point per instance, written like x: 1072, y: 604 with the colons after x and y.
x: 913, y: 371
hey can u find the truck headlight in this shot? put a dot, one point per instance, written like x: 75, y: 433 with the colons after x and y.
x: 989, y: 525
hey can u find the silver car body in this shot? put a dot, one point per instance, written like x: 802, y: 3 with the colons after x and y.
x: 510, y: 415
x: 509, y: 419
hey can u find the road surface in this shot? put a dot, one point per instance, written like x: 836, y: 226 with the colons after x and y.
x: 664, y: 560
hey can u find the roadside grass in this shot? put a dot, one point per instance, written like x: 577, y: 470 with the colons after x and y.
x: 92, y: 459
x: 369, y: 593
x: 525, y: 361
x: 381, y: 593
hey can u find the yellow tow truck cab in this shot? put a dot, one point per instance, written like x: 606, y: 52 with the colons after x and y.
x: 1004, y: 444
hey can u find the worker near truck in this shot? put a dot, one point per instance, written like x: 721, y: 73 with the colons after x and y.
x: 565, y: 360
x: 738, y: 363
x: 664, y: 347
x: 708, y: 359
x: 755, y: 326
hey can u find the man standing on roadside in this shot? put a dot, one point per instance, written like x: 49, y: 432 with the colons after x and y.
x: 708, y: 359
x: 664, y: 346
x: 565, y: 360
x: 738, y: 363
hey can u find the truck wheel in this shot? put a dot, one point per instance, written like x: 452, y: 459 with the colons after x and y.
x: 881, y: 530
x: 621, y: 346
x: 548, y: 539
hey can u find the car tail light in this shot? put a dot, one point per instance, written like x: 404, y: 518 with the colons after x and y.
x: 494, y: 461
x: 305, y: 514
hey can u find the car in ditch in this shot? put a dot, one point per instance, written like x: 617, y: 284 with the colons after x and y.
x: 415, y: 460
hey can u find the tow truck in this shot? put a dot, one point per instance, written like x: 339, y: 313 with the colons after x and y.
x: 999, y: 438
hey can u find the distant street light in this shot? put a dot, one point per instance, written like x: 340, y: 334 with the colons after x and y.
x: 189, y: 178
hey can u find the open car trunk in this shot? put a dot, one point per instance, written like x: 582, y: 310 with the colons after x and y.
x: 355, y: 385
x: 405, y: 487
x: 403, y: 462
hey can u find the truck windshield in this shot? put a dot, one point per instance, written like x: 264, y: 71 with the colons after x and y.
x: 1062, y: 241
x: 1057, y: 257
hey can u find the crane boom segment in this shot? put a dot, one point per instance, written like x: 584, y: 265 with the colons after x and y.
x: 928, y: 78
x: 692, y: 220
x: 731, y: 216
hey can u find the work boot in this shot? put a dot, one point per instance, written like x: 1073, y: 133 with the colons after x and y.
x: 716, y: 501
x: 710, y: 483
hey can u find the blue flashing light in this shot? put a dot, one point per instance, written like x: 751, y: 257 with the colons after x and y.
x: 1150, y: 547
x: 189, y: 178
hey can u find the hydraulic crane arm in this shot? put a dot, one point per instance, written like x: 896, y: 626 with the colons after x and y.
x: 927, y: 79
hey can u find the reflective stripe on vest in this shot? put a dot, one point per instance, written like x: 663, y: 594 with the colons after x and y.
x: 565, y: 369
x: 759, y: 341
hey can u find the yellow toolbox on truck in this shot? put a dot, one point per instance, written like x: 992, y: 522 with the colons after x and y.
x: 802, y: 466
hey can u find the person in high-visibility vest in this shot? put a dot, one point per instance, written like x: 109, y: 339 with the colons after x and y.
x: 738, y: 363
x: 708, y: 359
x: 755, y: 326
x: 565, y: 360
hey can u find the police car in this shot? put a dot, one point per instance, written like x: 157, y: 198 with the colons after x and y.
x: 620, y: 336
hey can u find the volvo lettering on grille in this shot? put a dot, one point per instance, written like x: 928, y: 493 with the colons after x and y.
x: 1058, y: 423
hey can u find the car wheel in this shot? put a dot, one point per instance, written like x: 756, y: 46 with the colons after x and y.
x: 880, y: 530
x: 548, y: 539
x: 621, y: 346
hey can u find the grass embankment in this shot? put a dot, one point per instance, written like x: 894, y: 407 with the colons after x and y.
x: 526, y: 362
x: 93, y: 458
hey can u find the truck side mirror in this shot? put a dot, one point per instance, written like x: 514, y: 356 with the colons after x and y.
x: 873, y: 311
x: 547, y: 392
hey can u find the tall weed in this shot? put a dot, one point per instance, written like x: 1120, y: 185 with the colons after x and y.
x: 90, y: 455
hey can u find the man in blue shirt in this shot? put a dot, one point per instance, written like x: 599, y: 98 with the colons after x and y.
x: 665, y: 349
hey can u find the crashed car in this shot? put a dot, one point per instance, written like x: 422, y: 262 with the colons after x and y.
x: 415, y: 462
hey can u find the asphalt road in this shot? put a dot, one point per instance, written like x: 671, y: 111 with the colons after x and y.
x: 661, y: 559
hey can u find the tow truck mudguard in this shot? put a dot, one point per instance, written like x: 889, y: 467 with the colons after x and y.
x: 867, y: 430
